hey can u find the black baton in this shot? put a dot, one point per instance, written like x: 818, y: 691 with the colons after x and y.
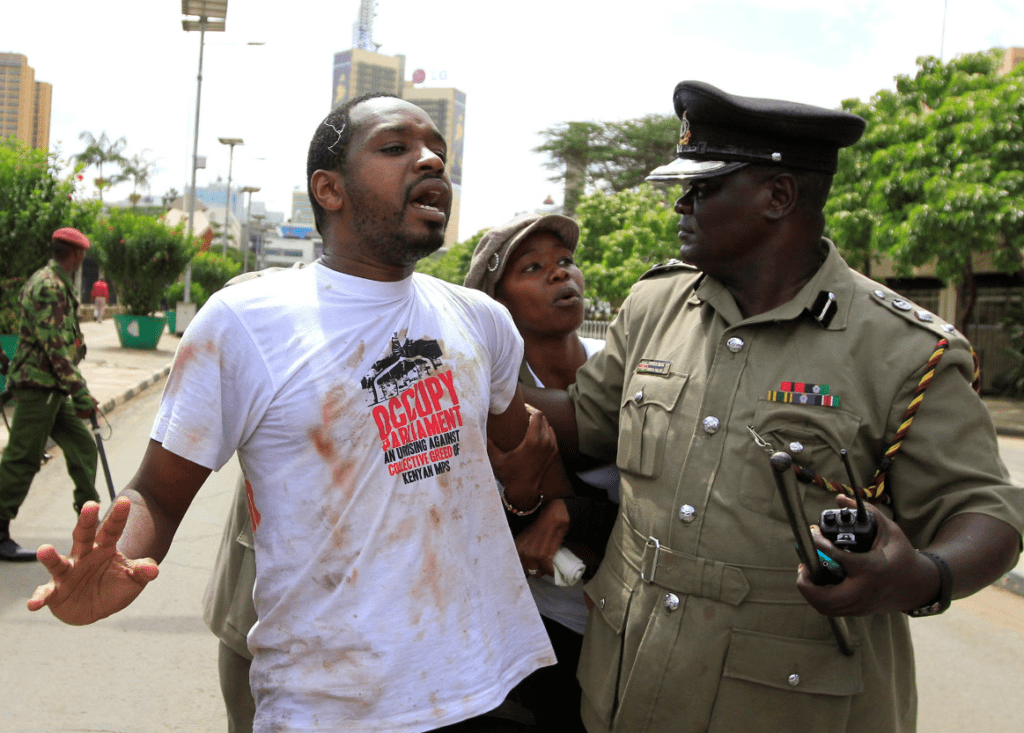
x: 103, y: 453
x: 820, y: 575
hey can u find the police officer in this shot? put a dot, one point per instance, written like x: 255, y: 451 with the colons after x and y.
x: 765, y: 340
x: 52, y: 397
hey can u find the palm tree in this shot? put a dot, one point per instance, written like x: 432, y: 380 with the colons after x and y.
x: 100, y: 151
x: 138, y: 169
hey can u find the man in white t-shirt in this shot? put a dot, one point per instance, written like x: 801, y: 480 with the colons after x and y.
x: 359, y: 397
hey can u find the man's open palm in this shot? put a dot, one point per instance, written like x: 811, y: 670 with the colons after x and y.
x: 95, y: 580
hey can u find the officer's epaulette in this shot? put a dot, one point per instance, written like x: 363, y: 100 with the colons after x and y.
x: 898, y: 305
x: 672, y: 265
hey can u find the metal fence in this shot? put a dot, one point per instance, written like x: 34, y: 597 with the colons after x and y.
x: 594, y: 329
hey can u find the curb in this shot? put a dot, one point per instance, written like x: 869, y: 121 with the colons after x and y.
x: 120, y: 399
x: 1013, y: 581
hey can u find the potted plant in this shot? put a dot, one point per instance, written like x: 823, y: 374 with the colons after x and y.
x: 142, y: 256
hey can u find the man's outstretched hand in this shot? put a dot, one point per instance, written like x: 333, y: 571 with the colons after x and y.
x: 95, y: 580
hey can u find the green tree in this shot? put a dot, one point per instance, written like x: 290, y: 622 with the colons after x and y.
x: 622, y: 235
x: 138, y: 169
x: 451, y: 266
x: 36, y: 199
x: 607, y: 156
x: 938, y: 176
x: 101, y: 151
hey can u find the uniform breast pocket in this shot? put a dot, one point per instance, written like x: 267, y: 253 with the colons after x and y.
x: 644, y: 421
x: 812, y: 435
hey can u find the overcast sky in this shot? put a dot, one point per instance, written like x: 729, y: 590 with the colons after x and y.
x: 126, y: 67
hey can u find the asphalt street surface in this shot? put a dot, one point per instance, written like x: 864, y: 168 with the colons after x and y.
x: 152, y: 668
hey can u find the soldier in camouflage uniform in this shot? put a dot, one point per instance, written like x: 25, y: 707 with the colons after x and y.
x: 52, y: 397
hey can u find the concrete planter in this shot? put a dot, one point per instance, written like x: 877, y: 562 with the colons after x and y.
x: 8, y: 343
x: 139, y: 332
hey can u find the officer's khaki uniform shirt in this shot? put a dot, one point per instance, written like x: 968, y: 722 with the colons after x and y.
x: 721, y: 640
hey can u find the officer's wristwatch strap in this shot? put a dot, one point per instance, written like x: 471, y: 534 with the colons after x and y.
x: 945, y: 596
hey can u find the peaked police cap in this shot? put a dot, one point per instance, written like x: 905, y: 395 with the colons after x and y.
x: 720, y: 133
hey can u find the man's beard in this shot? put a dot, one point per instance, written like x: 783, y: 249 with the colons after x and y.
x: 378, y: 230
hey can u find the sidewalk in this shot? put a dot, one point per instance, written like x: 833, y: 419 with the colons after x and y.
x: 116, y: 374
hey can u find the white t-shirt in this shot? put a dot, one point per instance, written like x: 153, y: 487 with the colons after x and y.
x: 388, y: 589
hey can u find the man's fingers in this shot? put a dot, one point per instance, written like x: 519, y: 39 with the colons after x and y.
x: 85, y: 530
x: 143, y: 570
x: 40, y: 596
x: 113, y: 526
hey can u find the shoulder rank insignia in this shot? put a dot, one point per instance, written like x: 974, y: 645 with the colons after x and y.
x: 672, y: 265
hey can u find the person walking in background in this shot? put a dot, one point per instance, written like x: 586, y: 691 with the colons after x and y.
x: 528, y: 266
x: 52, y: 396
x: 100, y: 293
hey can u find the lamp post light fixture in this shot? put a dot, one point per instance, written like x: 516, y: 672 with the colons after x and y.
x: 231, y: 142
x: 205, y: 15
x: 248, y: 226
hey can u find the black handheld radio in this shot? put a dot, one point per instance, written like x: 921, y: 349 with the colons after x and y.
x: 846, y: 529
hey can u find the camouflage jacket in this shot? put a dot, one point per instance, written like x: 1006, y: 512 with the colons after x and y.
x: 50, y: 342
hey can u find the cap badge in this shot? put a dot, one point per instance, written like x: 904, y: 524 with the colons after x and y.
x: 492, y: 263
x: 684, y: 130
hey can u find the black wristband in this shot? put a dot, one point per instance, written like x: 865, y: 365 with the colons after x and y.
x: 945, y: 596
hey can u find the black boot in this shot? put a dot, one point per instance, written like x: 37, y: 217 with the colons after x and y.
x: 11, y: 551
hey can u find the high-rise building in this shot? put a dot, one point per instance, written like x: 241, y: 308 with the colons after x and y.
x: 302, y: 210
x: 362, y: 70
x: 24, y: 102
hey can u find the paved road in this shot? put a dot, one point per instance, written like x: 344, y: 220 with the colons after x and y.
x: 151, y: 668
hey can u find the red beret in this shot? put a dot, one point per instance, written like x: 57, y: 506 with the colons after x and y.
x: 72, y: 236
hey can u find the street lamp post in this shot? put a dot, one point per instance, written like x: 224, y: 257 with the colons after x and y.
x: 259, y: 240
x: 231, y: 142
x: 248, y: 224
x: 212, y: 16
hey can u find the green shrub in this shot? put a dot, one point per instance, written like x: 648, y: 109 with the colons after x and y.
x: 35, y: 201
x: 175, y: 293
x: 212, y: 271
x: 142, y: 256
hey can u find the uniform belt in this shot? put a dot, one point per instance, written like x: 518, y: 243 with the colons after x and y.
x: 698, y: 576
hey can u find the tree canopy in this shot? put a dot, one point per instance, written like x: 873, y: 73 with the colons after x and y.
x: 622, y: 235
x: 101, y: 151
x: 36, y: 199
x: 607, y: 156
x: 937, y: 177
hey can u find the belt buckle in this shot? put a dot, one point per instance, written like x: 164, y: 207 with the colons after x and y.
x: 648, y: 568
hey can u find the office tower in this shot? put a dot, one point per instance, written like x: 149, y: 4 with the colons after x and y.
x: 24, y: 102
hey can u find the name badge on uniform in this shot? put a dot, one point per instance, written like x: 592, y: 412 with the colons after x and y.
x: 804, y: 393
x: 653, y: 366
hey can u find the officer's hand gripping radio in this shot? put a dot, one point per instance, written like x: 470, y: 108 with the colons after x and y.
x: 846, y: 529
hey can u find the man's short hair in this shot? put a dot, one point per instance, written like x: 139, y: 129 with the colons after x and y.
x: 328, y: 150
x: 62, y: 250
x: 813, y: 187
